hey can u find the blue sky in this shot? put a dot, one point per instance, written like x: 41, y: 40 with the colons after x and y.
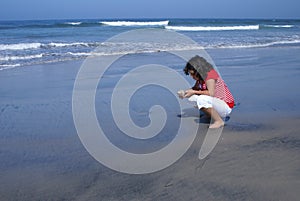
x: 87, y: 9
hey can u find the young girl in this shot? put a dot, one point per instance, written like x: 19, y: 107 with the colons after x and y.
x: 209, y: 92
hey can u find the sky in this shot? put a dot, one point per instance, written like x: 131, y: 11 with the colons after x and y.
x: 122, y: 9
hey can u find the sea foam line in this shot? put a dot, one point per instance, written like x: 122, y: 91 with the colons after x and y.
x: 135, y: 23
x: 279, y: 26
x: 20, y: 46
x: 12, y: 58
x: 73, y: 23
x: 259, y: 45
x: 8, y: 66
x: 68, y: 44
x: 212, y: 28
x: 25, y: 46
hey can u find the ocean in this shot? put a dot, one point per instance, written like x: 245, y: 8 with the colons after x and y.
x: 24, y: 43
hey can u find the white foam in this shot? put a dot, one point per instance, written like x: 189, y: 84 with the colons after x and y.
x: 73, y: 23
x: 258, y: 45
x: 67, y: 44
x: 79, y: 53
x: 212, y: 28
x: 132, y: 23
x: 12, y: 58
x: 8, y: 66
x: 280, y: 26
x: 20, y: 46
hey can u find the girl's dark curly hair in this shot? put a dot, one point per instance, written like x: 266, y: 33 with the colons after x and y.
x: 199, y: 65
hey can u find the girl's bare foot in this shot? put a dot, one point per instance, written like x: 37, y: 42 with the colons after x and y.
x: 217, y: 124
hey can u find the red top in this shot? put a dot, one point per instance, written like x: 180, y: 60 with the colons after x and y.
x: 221, y: 91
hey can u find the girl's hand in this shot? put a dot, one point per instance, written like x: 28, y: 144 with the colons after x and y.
x: 189, y: 93
x: 181, y: 94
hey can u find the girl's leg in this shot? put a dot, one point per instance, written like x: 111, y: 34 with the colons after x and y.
x: 218, y: 121
x: 215, y: 108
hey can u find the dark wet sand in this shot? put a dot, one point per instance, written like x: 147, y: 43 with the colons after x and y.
x: 257, y: 157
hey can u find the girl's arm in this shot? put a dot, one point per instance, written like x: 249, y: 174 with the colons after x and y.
x: 191, y: 92
x: 211, y: 85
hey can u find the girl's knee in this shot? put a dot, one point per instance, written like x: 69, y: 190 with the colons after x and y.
x: 193, y: 98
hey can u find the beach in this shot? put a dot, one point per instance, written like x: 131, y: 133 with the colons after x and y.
x: 256, y: 158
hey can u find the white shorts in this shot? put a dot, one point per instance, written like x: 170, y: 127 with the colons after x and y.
x: 204, y: 101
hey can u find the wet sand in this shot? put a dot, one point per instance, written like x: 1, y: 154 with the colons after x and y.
x: 256, y: 158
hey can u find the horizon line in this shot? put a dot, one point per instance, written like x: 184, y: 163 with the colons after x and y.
x: 148, y: 18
